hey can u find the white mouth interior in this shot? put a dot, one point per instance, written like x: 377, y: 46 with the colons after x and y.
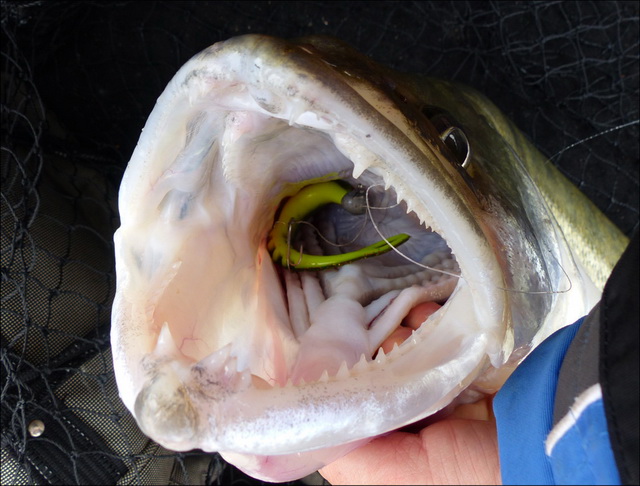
x: 194, y: 261
x: 336, y: 315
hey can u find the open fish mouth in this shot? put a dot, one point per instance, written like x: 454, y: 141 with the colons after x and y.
x: 230, y: 336
x: 263, y: 325
x: 343, y: 309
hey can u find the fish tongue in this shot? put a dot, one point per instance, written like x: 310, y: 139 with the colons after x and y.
x: 337, y: 334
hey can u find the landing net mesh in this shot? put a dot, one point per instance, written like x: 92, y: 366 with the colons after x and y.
x: 79, y: 80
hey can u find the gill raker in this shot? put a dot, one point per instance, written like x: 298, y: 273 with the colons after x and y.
x: 221, y: 343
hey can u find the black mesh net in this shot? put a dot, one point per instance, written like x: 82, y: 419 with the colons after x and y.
x: 79, y: 80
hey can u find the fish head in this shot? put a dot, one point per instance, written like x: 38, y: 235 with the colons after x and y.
x: 219, y: 345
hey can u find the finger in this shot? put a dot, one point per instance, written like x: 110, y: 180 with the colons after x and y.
x: 452, y: 451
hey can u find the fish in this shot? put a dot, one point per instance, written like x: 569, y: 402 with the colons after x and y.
x: 316, y: 250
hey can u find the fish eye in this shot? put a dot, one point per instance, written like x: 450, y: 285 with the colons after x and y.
x: 456, y: 141
x: 451, y: 134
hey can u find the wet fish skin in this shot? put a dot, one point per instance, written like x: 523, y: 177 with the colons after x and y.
x: 202, y: 358
x: 597, y: 242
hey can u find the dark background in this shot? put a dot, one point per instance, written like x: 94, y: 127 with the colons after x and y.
x: 80, y: 78
x: 563, y: 71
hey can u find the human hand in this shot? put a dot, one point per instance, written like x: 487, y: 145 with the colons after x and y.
x: 459, y: 449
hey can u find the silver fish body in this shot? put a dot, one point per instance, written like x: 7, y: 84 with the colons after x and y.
x: 217, y: 346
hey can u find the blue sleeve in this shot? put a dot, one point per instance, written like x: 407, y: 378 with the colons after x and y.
x: 532, y: 450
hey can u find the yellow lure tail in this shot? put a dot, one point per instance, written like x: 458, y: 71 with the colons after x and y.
x: 297, y: 208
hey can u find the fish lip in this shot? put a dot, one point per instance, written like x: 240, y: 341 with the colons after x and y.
x: 345, y: 139
x: 173, y: 408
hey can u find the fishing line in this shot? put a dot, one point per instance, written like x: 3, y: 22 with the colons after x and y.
x: 324, y: 238
x: 544, y: 292
x: 368, y: 209
x: 406, y: 257
x: 319, y: 233
x: 561, y: 237
x: 289, y: 236
x: 579, y: 142
x: 591, y: 137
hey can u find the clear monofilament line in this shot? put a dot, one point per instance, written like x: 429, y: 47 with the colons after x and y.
x: 406, y: 257
x: 384, y: 238
x: 596, y: 135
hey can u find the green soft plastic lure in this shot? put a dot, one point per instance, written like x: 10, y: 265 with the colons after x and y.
x: 301, y: 205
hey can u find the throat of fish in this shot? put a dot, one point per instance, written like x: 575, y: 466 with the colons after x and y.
x: 345, y: 313
x: 322, y: 321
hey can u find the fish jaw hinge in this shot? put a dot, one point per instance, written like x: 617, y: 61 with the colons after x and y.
x: 164, y: 410
x: 180, y: 399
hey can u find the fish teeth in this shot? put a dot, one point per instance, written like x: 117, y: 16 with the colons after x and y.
x: 166, y: 345
x: 414, y: 338
x: 362, y: 365
x: 324, y: 377
x: 381, y: 357
x: 243, y: 379
x: 231, y: 366
x: 216, y: 360
x: 358, y: 168
x: 409, y: 207
x: 343, y: 372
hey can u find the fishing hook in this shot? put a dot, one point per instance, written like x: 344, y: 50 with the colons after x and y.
x: 301, y: 205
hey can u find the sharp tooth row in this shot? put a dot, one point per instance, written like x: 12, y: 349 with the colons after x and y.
x: 222, y: 359
x: 362, y: 366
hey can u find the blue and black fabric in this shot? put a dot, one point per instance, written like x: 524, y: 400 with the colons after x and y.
x: 569, y: 413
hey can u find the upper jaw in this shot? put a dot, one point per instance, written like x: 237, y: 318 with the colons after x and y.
x: 205, y: 388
